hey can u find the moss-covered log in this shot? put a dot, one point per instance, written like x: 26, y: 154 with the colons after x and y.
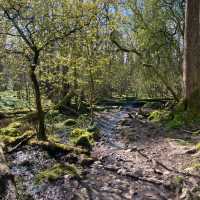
x: 7, y: 185
x: 54, y: 147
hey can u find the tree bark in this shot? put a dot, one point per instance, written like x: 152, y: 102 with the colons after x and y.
x: 7, y: 184
x: 41, y: 135
x: 191, y: 66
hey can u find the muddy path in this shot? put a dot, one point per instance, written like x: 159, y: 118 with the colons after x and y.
x: 134, y: 160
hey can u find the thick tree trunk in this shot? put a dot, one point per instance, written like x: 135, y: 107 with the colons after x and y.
x: 41, y: 135
x: 191, y: 66
x: 7, y: 185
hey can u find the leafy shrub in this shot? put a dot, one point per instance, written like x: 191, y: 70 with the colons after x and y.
x: 177, y: 121
x: 160, y: 115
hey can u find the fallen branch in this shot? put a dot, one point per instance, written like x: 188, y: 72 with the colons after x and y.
x: 22, y: 141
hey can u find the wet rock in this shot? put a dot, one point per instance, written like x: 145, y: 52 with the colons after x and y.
x: 70, y: 158
x: 121, y: 171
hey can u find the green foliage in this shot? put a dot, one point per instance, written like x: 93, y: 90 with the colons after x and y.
x: 9, y: 101
x: 159, y: 116
x: 56, y: 172
x: 181, y: 118
x: 177, y: 121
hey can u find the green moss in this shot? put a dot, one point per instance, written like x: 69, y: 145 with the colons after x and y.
x: 55, y: 147
x: 76, y: 133
x: 56, y: 172
x: 178, y: 180
x: 198, y: 146
x: 160, y: 115
x: 82, y: 137
x: 54, y: 138
x: 11, y: 130
x: 7, y: 139
x: 196, y: 165
x: 69, y: 122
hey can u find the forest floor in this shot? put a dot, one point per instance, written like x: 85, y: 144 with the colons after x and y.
x: 134, y: 160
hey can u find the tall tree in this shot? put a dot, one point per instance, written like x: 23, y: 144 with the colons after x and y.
x: 191, y: 67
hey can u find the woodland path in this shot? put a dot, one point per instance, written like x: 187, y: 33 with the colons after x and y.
x: 134, y: 160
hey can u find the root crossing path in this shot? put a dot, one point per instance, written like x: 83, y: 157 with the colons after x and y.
x: 139, y: 160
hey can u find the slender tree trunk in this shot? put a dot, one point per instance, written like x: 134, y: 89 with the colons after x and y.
x: 191, y: 66
x: 41, y: 135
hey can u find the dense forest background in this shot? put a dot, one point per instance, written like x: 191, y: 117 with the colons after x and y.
x: 99, y: 90
x: 91, y: 48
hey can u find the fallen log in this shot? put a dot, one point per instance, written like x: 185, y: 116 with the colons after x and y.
x: 7, y: 183
x: 55, y: 148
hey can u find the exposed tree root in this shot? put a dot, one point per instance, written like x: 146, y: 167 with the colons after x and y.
x: 137, y: 178
x: 156, y: 162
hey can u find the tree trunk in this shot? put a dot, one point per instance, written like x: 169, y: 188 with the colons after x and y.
x: 191, y: 66
x: 7, y: 185
x: 41, y: 135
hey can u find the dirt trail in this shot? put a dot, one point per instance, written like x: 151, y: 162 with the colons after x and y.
x: 138, y: 160
x: 134, y: 160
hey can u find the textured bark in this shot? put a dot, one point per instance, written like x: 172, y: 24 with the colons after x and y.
x: 191, y: 66
x: 40, y: 114
x: 7, y: 185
